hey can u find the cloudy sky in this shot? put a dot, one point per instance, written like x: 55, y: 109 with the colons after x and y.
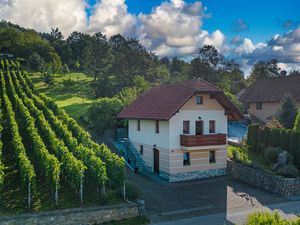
x: 241, y: 29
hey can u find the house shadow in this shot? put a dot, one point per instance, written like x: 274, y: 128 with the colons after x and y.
x: 243, y: 199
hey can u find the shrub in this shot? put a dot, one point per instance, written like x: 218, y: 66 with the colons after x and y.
x: 266, y: 218
x: 287, y: 112
x: 68, y: 82
x: 271, y: 155
x: 284, y: 138
x: 288, y: 170
x: 252, y: 137
x: 132, y: 192
x: 240, y: 155
x: 101, y: 115
x: 275, y: 137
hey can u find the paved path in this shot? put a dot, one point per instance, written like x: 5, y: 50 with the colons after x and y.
x: 207, y: 201
x: 288, y: 209
x: 219, y: 196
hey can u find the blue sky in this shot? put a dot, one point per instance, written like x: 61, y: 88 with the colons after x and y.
x: 247, y: 31
x: 264, y: 17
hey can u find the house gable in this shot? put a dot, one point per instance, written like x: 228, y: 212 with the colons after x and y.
x: 209, y: 103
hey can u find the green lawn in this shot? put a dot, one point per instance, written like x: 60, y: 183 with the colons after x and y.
x: 75, y: 97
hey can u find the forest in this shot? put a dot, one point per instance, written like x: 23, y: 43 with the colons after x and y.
x: 121, y: 68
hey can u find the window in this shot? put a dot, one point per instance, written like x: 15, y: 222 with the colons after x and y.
x: 199, y: 100
x: 212, y: 126
x: 259, y: 105
x: 212, y: 157
x: 141, y: 149
x: 186, y: 127
x: 157, y: 126
x: 186, y: 159
x: 138, y: 125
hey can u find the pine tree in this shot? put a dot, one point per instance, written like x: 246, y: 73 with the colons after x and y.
x: 287, y: 112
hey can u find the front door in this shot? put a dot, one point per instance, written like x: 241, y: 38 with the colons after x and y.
x: 156, y: 160
x: 199, y: 127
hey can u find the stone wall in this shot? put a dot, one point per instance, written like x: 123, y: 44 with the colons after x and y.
x: 95, y: 215
x: 266, y: 181
x: 193, y: 175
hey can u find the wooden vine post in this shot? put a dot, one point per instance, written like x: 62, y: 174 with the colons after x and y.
x: 81, y: 190
x: 124, y: 191
x: 29, y: 195
x: 56, y: 190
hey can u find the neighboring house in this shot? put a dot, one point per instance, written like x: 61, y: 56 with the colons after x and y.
x: 181, y: 130
x: 264, y: 96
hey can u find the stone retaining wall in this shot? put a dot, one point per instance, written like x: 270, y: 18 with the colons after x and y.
x: 199, y: 174
x: 95, y: 215
x: 266, y: 181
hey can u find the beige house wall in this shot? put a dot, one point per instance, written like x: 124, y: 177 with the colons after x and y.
x: 199, y: 160
x: 268, y: 109
x: 208, y: 104
x: 171, y: 161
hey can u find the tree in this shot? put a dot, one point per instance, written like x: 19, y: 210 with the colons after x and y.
x: 24, y: 43
x: 101, y: 115
x: 207, y: 64
x: 264, y: 69
x: 97, y: 56
x: 297, y: 123
x: 36, y: 62
x: 287, y: 112
x: 294, y: 73
x: 128, y: 94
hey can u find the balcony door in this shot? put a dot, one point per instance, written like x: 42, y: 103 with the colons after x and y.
x: 199, y: 127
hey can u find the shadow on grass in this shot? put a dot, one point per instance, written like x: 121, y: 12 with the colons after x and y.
x: 76, y: 111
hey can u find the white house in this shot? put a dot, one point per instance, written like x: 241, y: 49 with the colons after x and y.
x: 181, y: 130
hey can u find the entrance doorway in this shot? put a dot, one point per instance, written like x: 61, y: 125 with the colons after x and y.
x: 199, y: 127
x: 156, y: 160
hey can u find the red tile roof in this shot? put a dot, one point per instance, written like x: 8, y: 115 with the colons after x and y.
x: 272, y: 89
x: 161, y: 103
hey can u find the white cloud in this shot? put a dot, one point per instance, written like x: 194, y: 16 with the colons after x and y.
x: 111, y: 17
x: 42, y: 15
x: 174, y: 29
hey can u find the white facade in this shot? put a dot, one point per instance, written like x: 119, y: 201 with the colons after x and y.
x: 167, y: 141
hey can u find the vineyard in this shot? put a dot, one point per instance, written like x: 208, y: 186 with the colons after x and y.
x: 45, y: 156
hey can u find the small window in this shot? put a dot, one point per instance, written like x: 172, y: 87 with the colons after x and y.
x: 212, y: 157
x: 199, y: 100
x: 212, y: 126
x: 186, y: 127
x: 157, y: 126
x: 141, y: 149
x: 186, y: 159
x: 259, y: 105
x: 138, y: 125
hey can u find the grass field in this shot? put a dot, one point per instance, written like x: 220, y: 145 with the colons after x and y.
x: 70, y: 91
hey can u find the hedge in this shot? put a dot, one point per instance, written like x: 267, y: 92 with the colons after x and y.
x: 259, y: 138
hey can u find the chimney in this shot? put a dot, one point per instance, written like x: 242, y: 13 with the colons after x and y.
x: 283, y: 73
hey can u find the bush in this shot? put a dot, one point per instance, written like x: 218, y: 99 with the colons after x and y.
x: 68, y: 82
x: 132, y: 192
x: 266, y: 218
x: 240, y: 155
x: 271, y: 155
x: 288, y: 170
x: 287, y: 112
x: 101, y: 115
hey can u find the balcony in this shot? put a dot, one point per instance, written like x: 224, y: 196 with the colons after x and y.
x: 202, y: 140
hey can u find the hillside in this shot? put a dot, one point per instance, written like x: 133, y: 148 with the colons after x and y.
x: 71, y: 91
x: 48, y: 160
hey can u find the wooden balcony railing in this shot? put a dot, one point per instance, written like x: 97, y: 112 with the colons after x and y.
x: 202, y: 140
